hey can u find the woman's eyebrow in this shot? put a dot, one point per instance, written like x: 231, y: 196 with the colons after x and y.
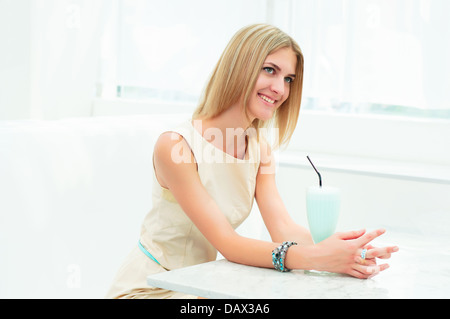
x: 278, y: 68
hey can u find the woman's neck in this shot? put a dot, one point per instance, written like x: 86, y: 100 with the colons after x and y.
x: 232, y: 125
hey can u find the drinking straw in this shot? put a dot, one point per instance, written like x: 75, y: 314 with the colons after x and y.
x: 320, y: 178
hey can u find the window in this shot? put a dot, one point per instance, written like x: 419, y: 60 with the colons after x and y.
x: 362, y: 57
x: 167, y: 49
x: 375, y: 56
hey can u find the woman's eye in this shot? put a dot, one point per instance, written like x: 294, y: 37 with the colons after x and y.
x: 269, y: 70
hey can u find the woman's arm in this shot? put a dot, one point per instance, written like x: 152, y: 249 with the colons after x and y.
x: 273, y: 211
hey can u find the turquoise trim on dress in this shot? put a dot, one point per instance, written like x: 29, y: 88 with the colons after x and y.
x: 147, y: 253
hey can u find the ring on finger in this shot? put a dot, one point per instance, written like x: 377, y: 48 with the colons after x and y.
x: 363, y: 254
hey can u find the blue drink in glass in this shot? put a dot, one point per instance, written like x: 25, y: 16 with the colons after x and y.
x: 322, y: 208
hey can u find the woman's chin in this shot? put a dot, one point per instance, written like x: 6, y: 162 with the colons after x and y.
x: 265, y: 116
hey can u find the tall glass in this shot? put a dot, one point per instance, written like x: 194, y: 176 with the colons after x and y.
x: 322, y: 208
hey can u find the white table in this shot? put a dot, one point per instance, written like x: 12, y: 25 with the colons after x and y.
x: 421, y: 269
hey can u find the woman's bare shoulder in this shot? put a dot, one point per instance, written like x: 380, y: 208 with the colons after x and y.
x: 172, y: 158
x: 171, y: 147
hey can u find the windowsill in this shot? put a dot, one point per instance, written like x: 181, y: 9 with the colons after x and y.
x: 419, y: 172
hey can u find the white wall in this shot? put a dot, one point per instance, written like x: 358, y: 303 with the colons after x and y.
x: 74, y: 193
x: 15, y: 68
x: 370, y: 136
x: 65, y: 44
x: 398, y: 204
x: 49, y: 57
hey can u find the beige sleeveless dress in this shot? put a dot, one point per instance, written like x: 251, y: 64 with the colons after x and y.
x: 169, y: 235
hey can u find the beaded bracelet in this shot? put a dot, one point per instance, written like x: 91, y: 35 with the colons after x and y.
x: 279, y: 254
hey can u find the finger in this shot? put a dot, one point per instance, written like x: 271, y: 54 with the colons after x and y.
x: 377, y: 269
x: 382, y: 253
x: 363, y: 272
x: 370, y: 271
x: 357, y: 274
x: 368, y: 237
x: 379, y: 253
x: 354, y: 234
x: 371, y: 253
x: 365, y: 262
x: 390, y: 250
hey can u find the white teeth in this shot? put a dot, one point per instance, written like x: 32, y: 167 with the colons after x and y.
x: 265, y: 98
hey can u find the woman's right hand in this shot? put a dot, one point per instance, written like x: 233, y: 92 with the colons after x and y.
x: 340, y: 253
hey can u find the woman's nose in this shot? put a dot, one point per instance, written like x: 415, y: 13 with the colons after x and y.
x: 277, y: 86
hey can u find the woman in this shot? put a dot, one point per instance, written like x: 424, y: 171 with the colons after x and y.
x: 209, y: 170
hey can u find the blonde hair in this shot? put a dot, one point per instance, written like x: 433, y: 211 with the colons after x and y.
x: 237, y: 70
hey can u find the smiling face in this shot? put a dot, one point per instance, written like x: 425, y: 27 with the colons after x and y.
x: 272, y: 87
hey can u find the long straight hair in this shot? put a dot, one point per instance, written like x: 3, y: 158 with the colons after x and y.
x: 237, y: 71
